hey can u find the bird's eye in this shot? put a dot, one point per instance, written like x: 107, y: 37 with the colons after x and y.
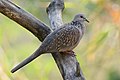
x: 81, y: 16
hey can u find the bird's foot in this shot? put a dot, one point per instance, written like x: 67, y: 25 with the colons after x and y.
x: 71, y: 53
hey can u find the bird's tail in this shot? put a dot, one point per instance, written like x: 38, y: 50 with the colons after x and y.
x: 27, y: 60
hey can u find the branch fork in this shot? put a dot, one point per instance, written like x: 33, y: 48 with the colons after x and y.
x: 68, y: 65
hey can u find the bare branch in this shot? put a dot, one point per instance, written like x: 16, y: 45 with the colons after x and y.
x: 25, y: 19
x: 54, y: 12
x: 68, y: 65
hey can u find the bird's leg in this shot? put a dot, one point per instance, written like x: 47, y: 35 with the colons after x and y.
x: 71, y: 53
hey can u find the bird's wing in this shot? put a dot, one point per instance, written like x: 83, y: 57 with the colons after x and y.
x: 66, y: 37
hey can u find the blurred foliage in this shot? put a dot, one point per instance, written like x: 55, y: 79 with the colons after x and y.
x: 113, y: 75
x: 98, y: 51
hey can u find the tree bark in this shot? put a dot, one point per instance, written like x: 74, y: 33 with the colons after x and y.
x: 25, y: 19
x: 68, y: 65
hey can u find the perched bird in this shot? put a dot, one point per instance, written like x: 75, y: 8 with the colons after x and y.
x: 63, y: 39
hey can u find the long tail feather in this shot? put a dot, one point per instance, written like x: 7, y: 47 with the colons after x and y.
x: 27, y: 60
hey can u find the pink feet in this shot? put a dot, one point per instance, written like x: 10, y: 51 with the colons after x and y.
x: 71, y: 53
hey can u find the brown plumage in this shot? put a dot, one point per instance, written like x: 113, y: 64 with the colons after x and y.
x: 64, y: 39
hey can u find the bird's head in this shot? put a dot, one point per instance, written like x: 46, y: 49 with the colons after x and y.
x: 81, y: 18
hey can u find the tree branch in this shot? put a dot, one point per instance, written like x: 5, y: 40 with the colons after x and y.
x: 25, y: 19
x: 68, y: 65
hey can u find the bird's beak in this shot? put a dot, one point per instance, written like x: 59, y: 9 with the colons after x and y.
x: 86, y: 20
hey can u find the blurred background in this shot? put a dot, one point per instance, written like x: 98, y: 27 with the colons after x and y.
x: 98, y: 51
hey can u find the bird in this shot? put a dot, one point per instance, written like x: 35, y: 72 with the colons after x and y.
x: 61, y: 40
